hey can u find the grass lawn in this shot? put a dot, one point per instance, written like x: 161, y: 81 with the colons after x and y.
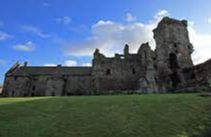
x: 159, y: 115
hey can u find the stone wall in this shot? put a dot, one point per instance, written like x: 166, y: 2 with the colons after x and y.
x: 48, y: 86
x: 148, y: 80
x: 47, y: 81
x: 16, y: 86
x: 173, y: 53
x: 203, y: 73
x: 79, y: 85
x: 117, y: 73
x: 125, y: 72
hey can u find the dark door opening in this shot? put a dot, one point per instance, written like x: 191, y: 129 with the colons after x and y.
x: 173, y: 62
x: 32, y: 94
x: 52, y: 94
x: 13, y: 93
x: 175, y: 79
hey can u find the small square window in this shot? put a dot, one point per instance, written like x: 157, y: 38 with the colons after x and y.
x: 108, y: 72
x: 15, y: 78
x: 134, y: 71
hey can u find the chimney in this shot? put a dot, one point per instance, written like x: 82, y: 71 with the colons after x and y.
x: 25, y: 64
x: 59, y: 65
x: 126, y: 50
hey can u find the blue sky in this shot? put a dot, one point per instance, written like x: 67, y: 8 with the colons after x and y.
x: 49, y: 32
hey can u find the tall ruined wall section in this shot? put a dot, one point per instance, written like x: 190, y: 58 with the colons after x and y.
x: 173, y: 53
x: 118, y: 73
x: 128, y: 72
x: 148, y: 80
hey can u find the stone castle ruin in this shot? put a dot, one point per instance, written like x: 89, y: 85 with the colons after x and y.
x: 168, y: 68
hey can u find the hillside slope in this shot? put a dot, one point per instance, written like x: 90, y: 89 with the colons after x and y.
x: 162, y: 115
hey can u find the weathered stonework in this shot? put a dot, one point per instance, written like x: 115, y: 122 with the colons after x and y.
x: 173, y: 53
x: 167, y: 69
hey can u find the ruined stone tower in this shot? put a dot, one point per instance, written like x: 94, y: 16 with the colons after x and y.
x: 173, y: 53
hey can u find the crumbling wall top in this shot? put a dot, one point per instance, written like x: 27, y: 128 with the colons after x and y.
x: 171, y: 21
x: 144, y: 47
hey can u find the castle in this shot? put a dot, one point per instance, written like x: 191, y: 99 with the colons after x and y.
x: 168, y: 68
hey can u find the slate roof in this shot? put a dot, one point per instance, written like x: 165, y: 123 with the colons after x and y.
x: 23, y: 71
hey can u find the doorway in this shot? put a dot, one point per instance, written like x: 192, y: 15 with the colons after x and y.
x: 173, y: 62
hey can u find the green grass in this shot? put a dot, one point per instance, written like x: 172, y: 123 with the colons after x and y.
x: 160, y: 115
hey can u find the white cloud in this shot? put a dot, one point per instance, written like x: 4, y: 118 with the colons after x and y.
x: 191, y: 23
x: 35, y: 31
x: 27, y: 47
x: 161, y: 14
x: 130, y: 18
x: 70, y: 63
x: 4, y: 36
x: 50, y: 65
x: 110, y: 37
x: 64, y: 20
x: 209, y: 20
x: 86, y: 64
x: 202, y: 45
